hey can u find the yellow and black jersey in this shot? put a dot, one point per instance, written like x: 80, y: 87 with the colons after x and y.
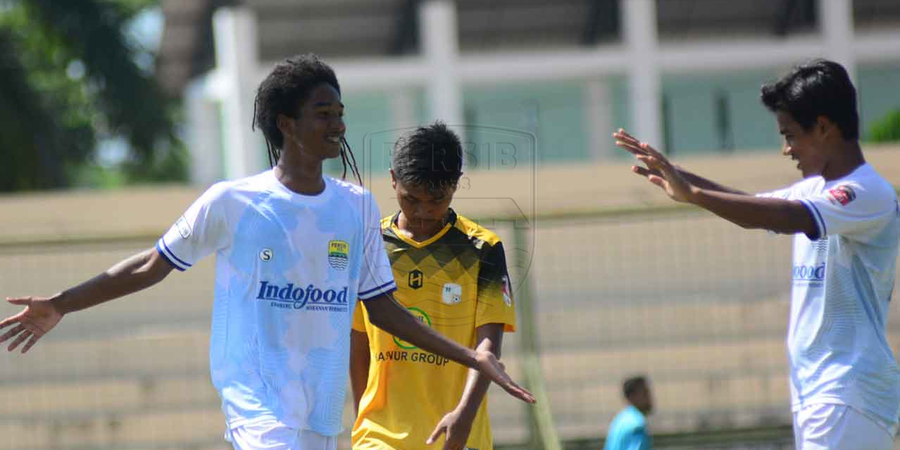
x: 455, y: 282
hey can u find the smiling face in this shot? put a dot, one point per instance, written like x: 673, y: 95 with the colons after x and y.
x: 318, y: 128
x: 804, y: 146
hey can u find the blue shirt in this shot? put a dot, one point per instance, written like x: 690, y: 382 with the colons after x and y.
x: 628, y: 431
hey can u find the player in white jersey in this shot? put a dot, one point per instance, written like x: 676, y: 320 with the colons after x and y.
x: 845, y: 382
x: 294, y: 250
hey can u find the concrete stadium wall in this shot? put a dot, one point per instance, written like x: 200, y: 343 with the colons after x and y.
x: 558, y: 189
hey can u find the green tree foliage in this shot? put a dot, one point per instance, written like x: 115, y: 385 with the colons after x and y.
x: 886, y: 129
x: 70, y: 80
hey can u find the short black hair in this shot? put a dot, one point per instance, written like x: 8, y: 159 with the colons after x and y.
x: 283, y: 91
x: 817, y: 88
x: 430, y: 156
x: 632, y: 385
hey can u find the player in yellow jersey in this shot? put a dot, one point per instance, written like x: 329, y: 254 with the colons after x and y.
x: 451, y: 273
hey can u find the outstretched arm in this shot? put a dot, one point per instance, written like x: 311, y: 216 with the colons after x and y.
x: 458, y: 423
x: 41, y: 314
x: 633, y: 146
x: 779, y: 215
x: 385, y: 313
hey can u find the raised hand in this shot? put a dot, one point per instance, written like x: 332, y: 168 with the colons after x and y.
x: 36, y: 320
x: 658, y: 170
x: 489, y: 365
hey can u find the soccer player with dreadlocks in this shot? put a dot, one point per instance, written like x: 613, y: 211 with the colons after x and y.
x: 294, y: 251
x: 451, y: 273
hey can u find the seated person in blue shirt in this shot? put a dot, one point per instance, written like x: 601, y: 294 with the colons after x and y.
x: 628, y: 430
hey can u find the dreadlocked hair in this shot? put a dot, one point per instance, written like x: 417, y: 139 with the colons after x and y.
x: 282, y: 92
x: 348, y: 159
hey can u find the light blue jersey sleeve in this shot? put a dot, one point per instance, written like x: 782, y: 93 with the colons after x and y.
x: 851, y: 209
x: 375, y: 276
x: 200, y: 231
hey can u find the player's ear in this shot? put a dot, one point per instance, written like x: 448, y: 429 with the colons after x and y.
x: 393, y: 179
x: 285, y: 125
x: 825, y: 126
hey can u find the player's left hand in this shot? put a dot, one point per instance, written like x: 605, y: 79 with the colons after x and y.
x: 658, y: 170
x: 457, y: 428
x: 488, y: 364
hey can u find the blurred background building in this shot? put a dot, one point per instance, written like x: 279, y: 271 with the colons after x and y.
x: 615, y: 280
x: 684, y: 74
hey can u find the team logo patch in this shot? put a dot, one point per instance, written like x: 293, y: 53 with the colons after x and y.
x: 504, y: 287
x: 184, y: 228
x: 842, y: 194
x: 266, y: 254
x: 338, y: 254
x: 416, y: 279
x: 451, y: 294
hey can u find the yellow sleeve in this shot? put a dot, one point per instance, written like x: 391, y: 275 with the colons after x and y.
x: 359, y: 318
x: 495, y: 297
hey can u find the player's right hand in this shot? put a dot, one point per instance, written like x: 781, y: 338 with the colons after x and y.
x: 658, y: 170
x: 488, y: 364
x: 36, y: 320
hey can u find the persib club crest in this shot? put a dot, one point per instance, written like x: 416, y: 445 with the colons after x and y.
x: 338, y: 254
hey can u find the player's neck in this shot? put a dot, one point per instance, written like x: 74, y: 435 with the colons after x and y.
x: 847, y: 158
x: 420, y: 232
x: 301, y: 176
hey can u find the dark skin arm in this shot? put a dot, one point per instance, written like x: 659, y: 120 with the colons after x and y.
x: 359, y: 365
x: 387, y: 314
x: 41, y: 314
x: 747, y: 211
x: 458, y: 423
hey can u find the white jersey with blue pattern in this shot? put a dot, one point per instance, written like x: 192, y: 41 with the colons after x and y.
x: 842, y: 284
x: 289, y: 269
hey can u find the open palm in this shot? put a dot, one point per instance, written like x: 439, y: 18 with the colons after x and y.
x: 489, y: 365
x: 36, y: 320
x: 658, y: 170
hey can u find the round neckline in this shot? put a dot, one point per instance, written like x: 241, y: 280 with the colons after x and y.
x: 304, y: 198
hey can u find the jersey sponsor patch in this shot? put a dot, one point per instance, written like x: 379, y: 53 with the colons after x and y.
x: 338, y: 254
x: 842, y: 195
x: 266, y: 254
x: 418, y: 313
x: 184, y: 228
x: 451, y: 294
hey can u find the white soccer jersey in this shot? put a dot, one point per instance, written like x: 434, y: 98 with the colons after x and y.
x: 842, y: 285
x: 289, y: 269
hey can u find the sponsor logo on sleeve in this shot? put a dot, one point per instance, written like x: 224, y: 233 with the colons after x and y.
x: 842, y: 195
x: 184, y: 228
x: 504, y: 287
x: 338, y: 254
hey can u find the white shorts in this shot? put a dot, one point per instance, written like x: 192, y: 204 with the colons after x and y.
x: 274, y: 435
x: 838, y: 427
